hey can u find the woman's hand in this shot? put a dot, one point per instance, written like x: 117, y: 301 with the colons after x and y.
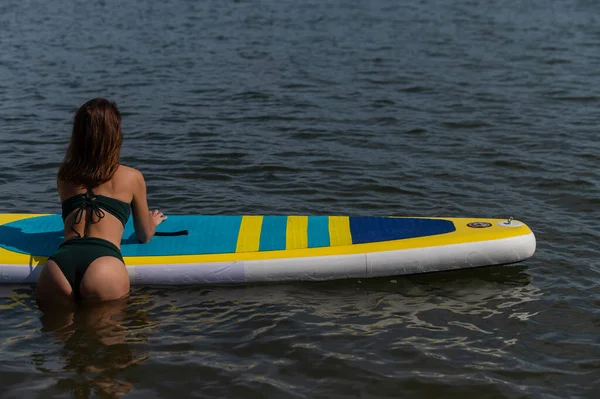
x: 157, y: 217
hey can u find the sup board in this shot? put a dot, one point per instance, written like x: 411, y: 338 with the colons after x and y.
x: 251, y: 248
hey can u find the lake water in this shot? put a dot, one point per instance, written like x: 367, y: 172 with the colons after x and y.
x: 425, y: 108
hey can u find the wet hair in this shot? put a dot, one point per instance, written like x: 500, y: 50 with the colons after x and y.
x: 92, y: 157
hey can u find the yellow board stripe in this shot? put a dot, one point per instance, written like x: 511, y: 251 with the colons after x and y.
x: 339, y: 230
x: 296, y: 232
x: 249, y: 235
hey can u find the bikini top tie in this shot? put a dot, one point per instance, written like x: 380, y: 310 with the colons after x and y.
x: 98, y: 204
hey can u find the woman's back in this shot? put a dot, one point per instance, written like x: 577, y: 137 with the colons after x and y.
x: 108, y: 227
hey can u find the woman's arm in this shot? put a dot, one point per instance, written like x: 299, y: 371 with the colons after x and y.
x: 144, y: 221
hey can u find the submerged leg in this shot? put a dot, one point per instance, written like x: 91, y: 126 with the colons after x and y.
x: 53, y: 288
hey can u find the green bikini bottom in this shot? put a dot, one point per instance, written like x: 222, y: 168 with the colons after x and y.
x: 75, y: 255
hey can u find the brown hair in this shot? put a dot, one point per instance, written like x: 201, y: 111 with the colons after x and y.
x: 93, y: 154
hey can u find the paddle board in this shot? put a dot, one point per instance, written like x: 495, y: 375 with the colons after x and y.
x: 252, y: 248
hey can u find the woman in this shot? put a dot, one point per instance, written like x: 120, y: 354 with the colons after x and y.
x: 98, y: 195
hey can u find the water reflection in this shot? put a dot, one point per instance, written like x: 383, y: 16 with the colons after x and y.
x: 230, y: 338
x: 99, y: 344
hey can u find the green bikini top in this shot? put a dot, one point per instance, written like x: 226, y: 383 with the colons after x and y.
x: 98, y: 204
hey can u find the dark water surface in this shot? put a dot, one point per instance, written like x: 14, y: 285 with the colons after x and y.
x: 381, y: 107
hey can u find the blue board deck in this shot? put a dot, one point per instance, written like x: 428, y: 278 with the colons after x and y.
x: 215, y: 234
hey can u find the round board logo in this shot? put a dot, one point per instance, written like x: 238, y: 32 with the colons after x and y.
x: 479, y: 225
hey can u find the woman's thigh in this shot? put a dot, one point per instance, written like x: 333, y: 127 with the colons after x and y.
x: 105, y: 279
x: 52, y: 285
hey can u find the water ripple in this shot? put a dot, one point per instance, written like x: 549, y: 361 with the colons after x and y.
x: 466, y: 108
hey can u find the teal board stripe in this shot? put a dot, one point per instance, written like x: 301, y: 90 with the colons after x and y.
x: 217, y: 234
x: 38, y: 236
x: 318, y: 231
x: 210, y: 234
x: 272, y: 234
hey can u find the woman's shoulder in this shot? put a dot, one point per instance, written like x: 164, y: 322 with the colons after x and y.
x: 128, y: 174
x: 124, y: 183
